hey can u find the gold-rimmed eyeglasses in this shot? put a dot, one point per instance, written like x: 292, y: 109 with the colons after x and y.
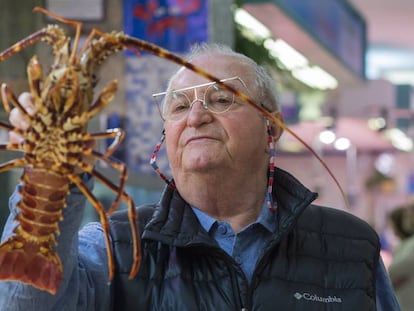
x: 174, y: 105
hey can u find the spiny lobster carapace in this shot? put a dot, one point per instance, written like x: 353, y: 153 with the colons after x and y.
x: 56, y: 144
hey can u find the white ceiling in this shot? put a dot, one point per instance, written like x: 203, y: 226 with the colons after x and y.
x: 390, y: 25
x: 389, y: 22
x: 390, y: 43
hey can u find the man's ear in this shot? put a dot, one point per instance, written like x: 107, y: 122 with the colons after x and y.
x: 276, y: 129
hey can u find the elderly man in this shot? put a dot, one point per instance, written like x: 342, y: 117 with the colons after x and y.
x: 230, y: 232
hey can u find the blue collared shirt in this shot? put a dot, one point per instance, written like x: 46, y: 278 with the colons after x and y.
x: 247, y: 246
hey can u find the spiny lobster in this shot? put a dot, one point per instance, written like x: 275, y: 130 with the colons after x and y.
x: 56, y: 143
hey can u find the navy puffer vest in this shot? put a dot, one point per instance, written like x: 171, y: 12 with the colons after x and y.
x: 319, y: 259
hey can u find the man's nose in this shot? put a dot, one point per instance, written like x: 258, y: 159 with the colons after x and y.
x: 198, y: 112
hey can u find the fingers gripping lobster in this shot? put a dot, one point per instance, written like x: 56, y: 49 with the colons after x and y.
x: 56, y: 145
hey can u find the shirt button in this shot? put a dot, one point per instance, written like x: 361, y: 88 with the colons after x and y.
x: 238, y: 259
x: 222, y: 229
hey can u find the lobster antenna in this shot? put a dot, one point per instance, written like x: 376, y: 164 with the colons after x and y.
x: 281, y: 124
x: 78, y: 26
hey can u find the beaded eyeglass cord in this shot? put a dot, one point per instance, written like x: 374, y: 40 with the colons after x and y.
x: 271, y: 170
x: 153, y: 162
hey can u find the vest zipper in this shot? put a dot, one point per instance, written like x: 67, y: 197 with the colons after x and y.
x: 233, y: 267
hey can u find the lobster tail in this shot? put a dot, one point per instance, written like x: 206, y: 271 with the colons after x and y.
x: 29, y: 256
x: 31, y: 263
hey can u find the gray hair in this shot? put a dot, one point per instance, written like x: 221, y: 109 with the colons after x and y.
x: 265, y: 84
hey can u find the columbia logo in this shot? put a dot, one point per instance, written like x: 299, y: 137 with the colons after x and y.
x: 316, y: 298
x: 298, y: 296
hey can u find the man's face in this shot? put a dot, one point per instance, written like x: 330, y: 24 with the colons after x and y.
x: 203, y: 141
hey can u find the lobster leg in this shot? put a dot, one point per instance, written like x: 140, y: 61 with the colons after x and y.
x: 122, y: 169
x: 103, y: 100
x: 10, y: 146
x: 119, y: 166
x: 121, y: 194
x: 132, y: 215
x: 8, y: 96
x: 58, y: 94
x: 52, y: 34
x: 6, y: 126
x: 89, y: 140
x: 103, y: 218
x: 78, y: 26
x: 117, y: 134
x: 34, y: 74
x: 6, y: 93
x: 12, y: 164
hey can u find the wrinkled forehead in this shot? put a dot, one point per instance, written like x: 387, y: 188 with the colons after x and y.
x: 219, y: 65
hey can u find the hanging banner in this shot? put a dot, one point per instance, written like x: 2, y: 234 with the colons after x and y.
x: 171, y: 24
x: 174, y: 25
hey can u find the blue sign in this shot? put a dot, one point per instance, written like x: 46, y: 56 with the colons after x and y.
x: 171, y: 24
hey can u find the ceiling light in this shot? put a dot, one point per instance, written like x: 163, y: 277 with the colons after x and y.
x: 249, y: 22
x: 287, y: 55
x: 327, y: 137
x: 377, y: 124
x: 385, y: 163
x: 315, y: 77
x: 342, y: 144
x: 399, y: 139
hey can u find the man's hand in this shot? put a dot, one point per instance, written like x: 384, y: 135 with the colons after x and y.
x: 17, y: 119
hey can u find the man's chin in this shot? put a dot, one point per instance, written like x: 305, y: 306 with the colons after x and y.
x: 200, y: 164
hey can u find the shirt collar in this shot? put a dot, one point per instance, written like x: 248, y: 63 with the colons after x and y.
x: 266, y: 218
x: 205, y: 220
